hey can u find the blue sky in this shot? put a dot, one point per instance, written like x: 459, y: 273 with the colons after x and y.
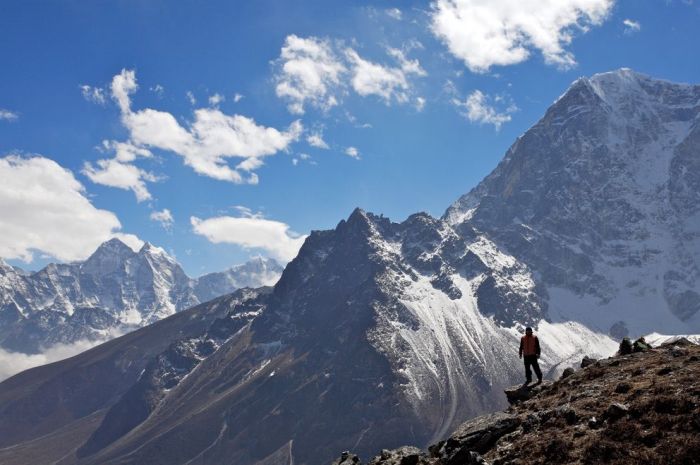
x: 395, y: 107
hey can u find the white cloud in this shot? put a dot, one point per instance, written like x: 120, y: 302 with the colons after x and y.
x: 394, y: 13
x: 484, y: 33
x: 305, y: 156
x: 309, y: 73
x: 8, y: 115
x: 315, y: 139
x: 12, y: 363
x: 211, y: 138
x: 216, y: 99
x: 44, y: 208
x: 387, y: 82
x: 190, y: 98
x: 113, y: 173
x: 158, y: 90
x: 251, y: 232
x: 237, y: 97
x: 352, y: 152
x: 631, y: 26
x: 93, y: 94
x: 420, y: 103
x: 164, y: 217
x: 478, y: 109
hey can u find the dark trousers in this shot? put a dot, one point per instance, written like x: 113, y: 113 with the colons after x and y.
x: 531, y: 361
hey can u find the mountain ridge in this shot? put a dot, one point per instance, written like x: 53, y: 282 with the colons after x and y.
x: 126, y: 289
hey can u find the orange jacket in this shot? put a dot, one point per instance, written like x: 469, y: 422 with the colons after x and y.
x: 529, y: 345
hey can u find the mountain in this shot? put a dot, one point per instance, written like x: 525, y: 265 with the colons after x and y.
x: 627, y: 410
x: 381, y: 333
x: 114, y: 290
x: 601, y: 199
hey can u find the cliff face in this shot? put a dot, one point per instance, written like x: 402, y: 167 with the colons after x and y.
x: 642, y: 408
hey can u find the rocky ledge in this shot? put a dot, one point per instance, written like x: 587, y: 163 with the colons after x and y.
x: 642, y: 408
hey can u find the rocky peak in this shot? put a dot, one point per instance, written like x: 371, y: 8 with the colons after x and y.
x: 108, y: 258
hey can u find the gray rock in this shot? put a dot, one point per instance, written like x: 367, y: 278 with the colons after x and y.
x: 516, y: 394
x: 615, y: 411
x: 587, y: 361
x: 567, y: 372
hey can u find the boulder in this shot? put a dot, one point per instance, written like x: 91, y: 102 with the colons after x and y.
x: 587, y: 361
x: 346, y: 458
x: 615, y: 411
x: 402, y: 456
x: 478, y: 435
x: 521, y: 393
x: 566, y: 373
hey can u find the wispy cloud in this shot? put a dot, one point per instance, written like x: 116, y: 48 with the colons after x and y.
x: 7, y: 115
x: 352, y: 152
x: 312, y: 72
x: 164, y: 217
x: 631, y: 26
x: 93, y: 94
x: 479, y: 108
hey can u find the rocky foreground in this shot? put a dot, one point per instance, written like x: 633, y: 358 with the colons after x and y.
x: 642, y: 408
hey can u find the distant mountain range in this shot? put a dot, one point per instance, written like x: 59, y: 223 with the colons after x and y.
x: 113, y: 291
x: 380, y: 334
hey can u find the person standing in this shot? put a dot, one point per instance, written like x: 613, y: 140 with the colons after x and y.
x: 530, y: 352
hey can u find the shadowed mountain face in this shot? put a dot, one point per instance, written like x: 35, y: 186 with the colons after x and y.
x: 378, y: 333
x: 113, y: 291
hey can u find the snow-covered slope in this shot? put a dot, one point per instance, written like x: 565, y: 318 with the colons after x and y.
x: 601, y: 201
x: 115, y: 289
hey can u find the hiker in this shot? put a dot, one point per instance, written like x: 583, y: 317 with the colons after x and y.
x: 640, y: 345
x: 530, y: 349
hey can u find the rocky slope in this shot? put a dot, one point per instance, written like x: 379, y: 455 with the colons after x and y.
x: 113, y: 291
x: 642, y: 408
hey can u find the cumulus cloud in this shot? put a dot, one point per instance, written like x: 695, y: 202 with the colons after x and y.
x: 251, y: 231
x: 205, y: 144
x: 44, y: 208
x: 93, y: 94
x: 237, y: 97
x: 387, y: 82
x: 478, y: 108
x: 12, y: 363
x: 190, y: 98
x: 164, y: 217
x: 315, y: 139
x: 484, y: 33
x: 631, y: 26
x: 7, y: 115
x: 352, y: 152
x: 420, y: 103
x: 309, y: 73
x: 119, y: 171
x: 313, y: 72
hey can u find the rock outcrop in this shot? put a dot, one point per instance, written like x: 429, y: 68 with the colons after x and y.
x: 641, y: 408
